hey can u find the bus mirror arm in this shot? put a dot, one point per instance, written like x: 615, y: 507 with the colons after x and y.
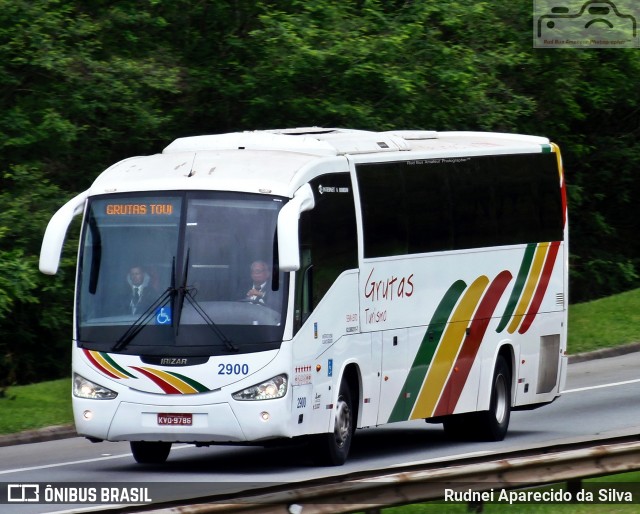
x: 288, y: 244
x: 56, y: 231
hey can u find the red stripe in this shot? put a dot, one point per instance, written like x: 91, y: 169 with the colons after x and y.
x: 564, y: 203
x: 462, y: 367
x: 547, y: 269
x: 165, y: 386
x: 96, y: 364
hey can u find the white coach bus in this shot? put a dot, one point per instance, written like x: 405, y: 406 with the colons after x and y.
x: 269, y: 286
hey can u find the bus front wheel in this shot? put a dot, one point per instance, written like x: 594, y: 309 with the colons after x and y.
x: 150, y: 452
x: 332, y: 449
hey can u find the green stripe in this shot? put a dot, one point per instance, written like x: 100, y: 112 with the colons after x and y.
x: 196, y: 385
x: 546, y: 148
x: 427, y: 349
x: 108, y: 358
x: 527, y: 259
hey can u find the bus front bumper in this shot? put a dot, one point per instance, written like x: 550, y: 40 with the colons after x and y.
x: 209, y: 423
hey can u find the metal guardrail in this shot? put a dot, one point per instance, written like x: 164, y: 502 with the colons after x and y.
x: 383, y: 488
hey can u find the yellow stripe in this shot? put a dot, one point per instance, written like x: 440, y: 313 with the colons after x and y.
x: 448, y: 350
x: 530, y: 286
x: 556, y: 149
x: 183, y: 387
x: 105, y: 364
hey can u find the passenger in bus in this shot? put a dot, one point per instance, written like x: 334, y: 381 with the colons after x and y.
x: 141, y: 293
x: 260, y: 291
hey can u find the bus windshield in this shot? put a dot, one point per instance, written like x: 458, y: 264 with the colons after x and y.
x: 188, y: 274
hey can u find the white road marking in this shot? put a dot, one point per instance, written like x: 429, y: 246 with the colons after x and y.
x: 111, y: 457
x: 443, y: 459
x: 580, y: 389
x: 71, y: 463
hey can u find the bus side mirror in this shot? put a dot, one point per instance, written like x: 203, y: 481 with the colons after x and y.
x: 288, y: 240
x: 56, y: 232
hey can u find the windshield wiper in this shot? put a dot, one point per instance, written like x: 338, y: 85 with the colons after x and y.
x: 176, y: 296
x: 141, y: 322
x: 210, y: 323
x: 186, y: 292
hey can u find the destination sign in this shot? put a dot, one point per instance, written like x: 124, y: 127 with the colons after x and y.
x: 139, y: 209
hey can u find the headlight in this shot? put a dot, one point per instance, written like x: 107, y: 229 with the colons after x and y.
x: 83, y: 388
x: 275, y: 387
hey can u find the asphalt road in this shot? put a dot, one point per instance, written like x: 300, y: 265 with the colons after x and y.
x: 601, y: 400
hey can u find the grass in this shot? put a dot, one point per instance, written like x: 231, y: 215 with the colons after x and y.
x: 604, y: 323
x: 36, y: 406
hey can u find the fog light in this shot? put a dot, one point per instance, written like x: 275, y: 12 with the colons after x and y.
x: 88, y: 415
x: 264, y: 416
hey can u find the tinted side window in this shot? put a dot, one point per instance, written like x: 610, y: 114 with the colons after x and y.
x: 383, y: 195
x: 328, y: 241
x: 467, y: 202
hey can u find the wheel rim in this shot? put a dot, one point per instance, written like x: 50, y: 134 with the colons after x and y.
x: 500, y: 398
x: 342, y: 429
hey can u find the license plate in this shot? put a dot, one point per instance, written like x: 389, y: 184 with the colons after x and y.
x: 175, y: 419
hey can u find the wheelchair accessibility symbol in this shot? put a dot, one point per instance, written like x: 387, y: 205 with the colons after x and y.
x: 163, y: 315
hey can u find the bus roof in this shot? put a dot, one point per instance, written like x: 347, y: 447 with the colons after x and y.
x: 336, y: 141
x: 277, y: 161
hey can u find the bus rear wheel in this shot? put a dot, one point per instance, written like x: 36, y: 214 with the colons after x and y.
x: 332, y: 449
x: 150, y: 452
x: 493, y: 424
x: 488, y: 425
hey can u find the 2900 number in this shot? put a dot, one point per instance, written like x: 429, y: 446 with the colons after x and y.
x: 233, y: 369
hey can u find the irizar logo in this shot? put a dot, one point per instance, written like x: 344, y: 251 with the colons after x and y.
x: 174, y: 361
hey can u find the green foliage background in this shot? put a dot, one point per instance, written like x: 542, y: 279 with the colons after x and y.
x: 84, y: 84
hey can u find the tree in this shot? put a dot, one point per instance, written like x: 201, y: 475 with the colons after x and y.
x: 73, y: 100
x: 85, y: 84
x: 35, y: 309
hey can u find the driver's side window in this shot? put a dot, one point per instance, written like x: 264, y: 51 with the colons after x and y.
x: 328, y: 242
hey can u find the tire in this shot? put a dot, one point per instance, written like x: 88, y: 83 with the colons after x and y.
x: 332, y: 449
x: 150, y: 452
x: 488, y: 425
x: 492, y: 425
x: 459, y: 427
